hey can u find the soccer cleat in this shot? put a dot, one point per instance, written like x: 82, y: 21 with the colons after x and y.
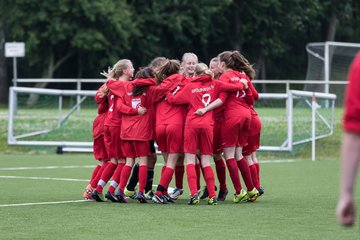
x: 241, y: 197
x: 261, y: 191
x: 111, y: 197
x: 222, y: 195
x: 121, y: 197
x: 168, y: 199
x: 141, y: 197
x: 212, y: 201
x: 149, y: 195
x: 87, y: 193
x: 253, y: 195
x: 194, y: 199
x: 99, y: 197
x: 130, y: 194
x: 157, y: 199
x: 176, y: 193
x: 205, y: 193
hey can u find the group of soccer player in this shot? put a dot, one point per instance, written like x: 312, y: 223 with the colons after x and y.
x: 194, y: 113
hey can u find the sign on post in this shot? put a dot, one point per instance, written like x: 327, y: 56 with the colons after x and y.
x: 14, y: 49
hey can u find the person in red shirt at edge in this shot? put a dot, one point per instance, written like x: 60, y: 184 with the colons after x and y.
x: 219, y: 119
x: 198, y: 132
x: 129, y: 191
x: 253, y: 140
x: 350, y: 150
x: 141, y: 93
x: 237, y: 122
x: 99, y: 149
x: 122, y: 71
x: 188, y: 62
x: 170, y: 121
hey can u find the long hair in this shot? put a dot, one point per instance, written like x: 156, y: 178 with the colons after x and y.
x: 117, y: 70
x: 236, y: 61
x: 145, y: 72
x: 202, y: 69
x: 169, y: 68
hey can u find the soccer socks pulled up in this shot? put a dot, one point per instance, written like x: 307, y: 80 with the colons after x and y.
x: 105, y: 176
x: 125, y: 174
x: 221, y: 173
x: 96, y: 179
x: 254, y: 176
x: 245, y: 173
x: 198, y: 172
x: 234, y: 174
x: 165, y: 180
x: 191, y: 177
x: 95, y: 172
x: 210, y: 181
x: 179, y: 176
x: 150, y: 179
x: 143, y: 174
x: 257, y: 165
x: 116, y: 177
x: 134, y: 179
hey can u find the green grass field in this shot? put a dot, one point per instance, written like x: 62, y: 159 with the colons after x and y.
x: 299, y: 203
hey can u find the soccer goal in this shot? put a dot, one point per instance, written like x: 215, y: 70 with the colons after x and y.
x: 329, y: 62
x: 59, y: 119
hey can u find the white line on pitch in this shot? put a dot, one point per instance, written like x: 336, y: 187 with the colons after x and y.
x: 41, y: 203
x: 278, y: 161
x: 46, y: 167
x: 47, y: 178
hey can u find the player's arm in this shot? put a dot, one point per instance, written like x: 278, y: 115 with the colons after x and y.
x: 179, y: 96
x: 253, y: 90
x: 217, y: 103
x: 168, y: 84
x: 125, y: 109
x: 101, y: 94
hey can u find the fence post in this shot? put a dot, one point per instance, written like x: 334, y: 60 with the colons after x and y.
x: 313, y: 126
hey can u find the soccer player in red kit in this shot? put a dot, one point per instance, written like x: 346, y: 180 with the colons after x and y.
x: 170, y: 120
x: 253, y: 140
x: 198, y: 132
x: 237, y: 123
x: 122, y: 71
x: 219, y: 119
x: 136, y: 130
x: 99, y: 149
x: 350, y: 151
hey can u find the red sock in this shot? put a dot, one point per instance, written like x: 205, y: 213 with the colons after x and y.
x: 105, y: 176
x: 124, y: 177
x: 143, y: 173
x: 221, y: 173
x: 234, y: 174
x: 245, y: 173
x: 257, y: 165
x: 179, y: 176
x: 165, y: 179
x: 162, y: 170
x: 191, y: 177
x: 198, y: 173
x: 95, y: 171
x: 116, y: 177
x: 210, y: 181
x: 96, y: 179
x: 254, y: 176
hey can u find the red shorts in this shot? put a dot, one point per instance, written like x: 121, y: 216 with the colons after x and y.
x: 100, y: 149
x: 235, y: 132
x: 217, y: 147
x: 113, y: 142
x: 253, y: 141
x: 170, y: 138
x: 198, y: 139
x: 133, y: 149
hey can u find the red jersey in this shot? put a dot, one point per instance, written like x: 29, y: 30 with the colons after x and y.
x: 113, y: 117
x: 198, y: 93
x: 134, y: 126
x: 167, y: 113
x: 235, y: 104
x: 352, y: 98
x: 98, y: 124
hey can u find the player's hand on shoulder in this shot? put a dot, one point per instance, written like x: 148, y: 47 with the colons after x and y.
x: 142, y: 110
x: 245, y: 82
